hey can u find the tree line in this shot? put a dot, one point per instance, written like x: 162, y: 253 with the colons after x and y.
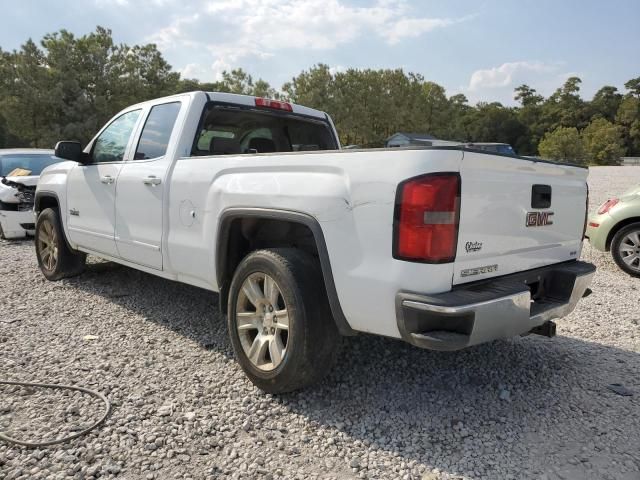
x: 67, y: 87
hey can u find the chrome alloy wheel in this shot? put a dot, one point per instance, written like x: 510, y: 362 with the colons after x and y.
x: 48, y: 245
x: 629, y: 250
x: 262, y: 321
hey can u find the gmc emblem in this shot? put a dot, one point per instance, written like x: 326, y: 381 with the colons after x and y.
x: 539, y: 219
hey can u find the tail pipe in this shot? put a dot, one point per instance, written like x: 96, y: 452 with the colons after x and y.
x: 547, y: 329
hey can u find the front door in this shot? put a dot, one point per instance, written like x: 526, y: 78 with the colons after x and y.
x: 91, y: 188
x: 142, y: 185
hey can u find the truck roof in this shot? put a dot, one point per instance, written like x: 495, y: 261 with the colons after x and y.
x: 238, y: 99
x: 250, y: 101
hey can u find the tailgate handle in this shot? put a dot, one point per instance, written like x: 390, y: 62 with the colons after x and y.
x: 541, y: 196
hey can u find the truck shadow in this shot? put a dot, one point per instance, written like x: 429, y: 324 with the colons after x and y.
x: 190, y: 311
x: 529, y: 401
x: 445, y: 408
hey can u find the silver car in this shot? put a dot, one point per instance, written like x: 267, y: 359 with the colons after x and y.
x: 19, y: 173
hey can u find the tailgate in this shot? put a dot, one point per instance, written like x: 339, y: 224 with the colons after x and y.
x: 509, y: 224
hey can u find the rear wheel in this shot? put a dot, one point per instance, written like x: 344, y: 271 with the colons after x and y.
x: 625, y: 249
x: 55, y: 259
x: 279, y: 320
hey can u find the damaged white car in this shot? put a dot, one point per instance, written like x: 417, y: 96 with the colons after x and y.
x: 19, y: 173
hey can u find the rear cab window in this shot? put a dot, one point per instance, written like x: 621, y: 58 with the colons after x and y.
x: 233, y: 130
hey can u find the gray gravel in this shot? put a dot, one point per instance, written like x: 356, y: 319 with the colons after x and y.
x: 523, y: 408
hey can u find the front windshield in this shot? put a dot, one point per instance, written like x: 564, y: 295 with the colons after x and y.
x: 23, y: 164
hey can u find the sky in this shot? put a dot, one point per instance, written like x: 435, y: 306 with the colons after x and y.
x: 482, y: 48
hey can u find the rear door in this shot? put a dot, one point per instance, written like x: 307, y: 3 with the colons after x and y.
x: 142, y: 187
x: 517, y: 215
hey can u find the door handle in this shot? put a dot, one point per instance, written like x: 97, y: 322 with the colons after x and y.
x: 108, y: 179
x: 152, y: 180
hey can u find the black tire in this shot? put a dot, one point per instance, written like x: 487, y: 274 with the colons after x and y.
x: 312, y: 341
x: 67, y: 262
x: 617, y: 247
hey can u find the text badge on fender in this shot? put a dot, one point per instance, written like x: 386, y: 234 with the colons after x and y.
x: 539, y: 219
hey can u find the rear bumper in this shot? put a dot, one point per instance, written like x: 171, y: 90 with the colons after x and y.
x: 17, y: 224
x: 497, y: 308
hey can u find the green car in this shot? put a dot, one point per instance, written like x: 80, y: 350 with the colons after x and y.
x: 615, y: 226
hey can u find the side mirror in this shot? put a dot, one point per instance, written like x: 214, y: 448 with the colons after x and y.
x: 71, y: 151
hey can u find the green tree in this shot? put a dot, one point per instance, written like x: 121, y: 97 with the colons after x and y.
x: 313, y: 87
x: 633, y: 86
x: 72, y: 85
x: 27, y: 94
x: 140, y: 73
x: 367, y: 105
x: 564, y: 143
x: 459, y: 109
x: 565, y: 107
x: 261, y: 88
x: 316, y: 88
x: 239, y: 81
x: 634, y: 138
x: 81, y: 96
x: 606, y: 102
x: 436, y: 109
x: 628, y: 118
x: 530, y: 114
x: 68, y: 86
x: 527, y: 96
x: 492, y: 122
x: 3, y: 132
x: 603, y: 142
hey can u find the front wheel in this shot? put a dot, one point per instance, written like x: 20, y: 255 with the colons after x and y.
x: 279, y: 320
x: 55, y: 259
x: 625, y: 249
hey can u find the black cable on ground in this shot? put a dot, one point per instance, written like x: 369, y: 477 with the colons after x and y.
x: 93, y: 393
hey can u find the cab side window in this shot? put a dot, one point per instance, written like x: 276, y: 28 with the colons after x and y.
x: 156, y: 133
x: 112, y: 142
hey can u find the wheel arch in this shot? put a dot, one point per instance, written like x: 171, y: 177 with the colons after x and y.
x: 285, y: 228
x: 48, y: 199
x: 45, y: 199
x: 616, y: 228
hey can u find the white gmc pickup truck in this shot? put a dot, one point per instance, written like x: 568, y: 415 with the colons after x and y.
x: 443, y: 247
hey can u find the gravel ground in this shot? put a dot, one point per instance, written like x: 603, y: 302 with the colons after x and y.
x: 523, y: 408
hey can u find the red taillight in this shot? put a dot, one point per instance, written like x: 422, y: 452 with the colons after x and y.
x: 608, y: 205
x: 426, y: 218
x: 594, y: 224
x: 268, y: 103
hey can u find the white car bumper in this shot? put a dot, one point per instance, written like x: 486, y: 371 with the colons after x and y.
x: 17, y: 224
